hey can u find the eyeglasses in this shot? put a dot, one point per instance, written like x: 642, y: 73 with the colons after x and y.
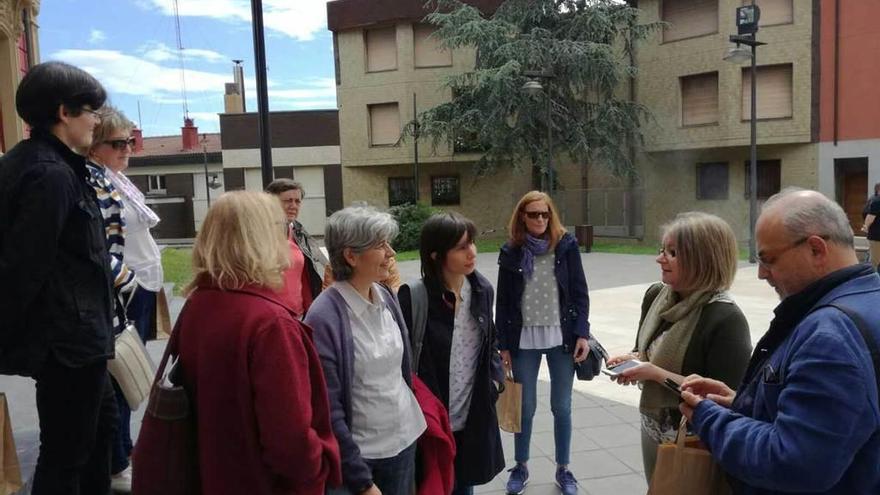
x: 768, y: 263
x: 667, y: 252
x: 94, y: 113
x: 120, y: 144
x: 534, y: 215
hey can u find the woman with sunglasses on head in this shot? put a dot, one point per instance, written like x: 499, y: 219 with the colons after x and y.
x: 689, y: 324
x: 449, y: 316
x: 542, y: 310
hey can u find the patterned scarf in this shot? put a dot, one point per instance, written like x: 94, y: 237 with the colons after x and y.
x: 135, y: 197
x: 531, y: 248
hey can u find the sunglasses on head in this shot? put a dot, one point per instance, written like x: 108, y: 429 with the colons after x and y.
x: 120, y: 144
x: 534, y: 215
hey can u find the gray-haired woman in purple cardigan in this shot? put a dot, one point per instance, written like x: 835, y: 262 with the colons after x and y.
x: 361, y: 339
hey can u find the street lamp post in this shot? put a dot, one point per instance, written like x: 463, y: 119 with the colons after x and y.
x: 747, y: 27
x: 533, y: 87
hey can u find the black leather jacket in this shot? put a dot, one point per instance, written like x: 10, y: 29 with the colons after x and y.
x: 55, y: 282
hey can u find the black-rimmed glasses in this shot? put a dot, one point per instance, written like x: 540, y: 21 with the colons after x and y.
x: 120, y: 144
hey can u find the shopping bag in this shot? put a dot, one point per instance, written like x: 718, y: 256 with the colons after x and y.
x: 10, y: 475
x: 509, y: 405
x: 686, y: 467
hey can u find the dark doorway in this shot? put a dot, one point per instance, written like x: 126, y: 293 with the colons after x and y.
x: 851, y: 188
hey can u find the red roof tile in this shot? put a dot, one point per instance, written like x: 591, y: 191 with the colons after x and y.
x: 173, y: 145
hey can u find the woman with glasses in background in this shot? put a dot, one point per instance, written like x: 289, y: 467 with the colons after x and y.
x: 542, y: 310
x: 689, y: 324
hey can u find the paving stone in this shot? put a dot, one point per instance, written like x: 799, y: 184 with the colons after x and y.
x: 631, y: 455
x: 596, y: 464
x: 627, y: 484
x: 613, y: 435
x: 594, y: 416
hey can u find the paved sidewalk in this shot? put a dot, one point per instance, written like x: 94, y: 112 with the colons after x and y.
x: 606, y: 456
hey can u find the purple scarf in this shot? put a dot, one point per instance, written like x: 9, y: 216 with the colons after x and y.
x: 531, y: 248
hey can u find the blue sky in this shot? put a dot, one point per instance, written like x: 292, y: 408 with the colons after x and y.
x: 130, y: 46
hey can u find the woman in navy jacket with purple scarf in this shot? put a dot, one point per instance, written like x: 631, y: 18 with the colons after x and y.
x: 542, y: 309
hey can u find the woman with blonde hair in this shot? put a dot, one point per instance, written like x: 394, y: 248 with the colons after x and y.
x: 249, y: 365
x: 542, y: 309
x: 689, y: 324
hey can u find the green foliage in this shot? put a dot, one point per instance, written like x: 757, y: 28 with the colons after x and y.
x: 410, y: 218
x: 585, y: 44
x: 177, y: 267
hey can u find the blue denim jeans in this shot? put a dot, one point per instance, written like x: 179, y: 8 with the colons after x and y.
x: 393, y: 475
x: 525, y: 371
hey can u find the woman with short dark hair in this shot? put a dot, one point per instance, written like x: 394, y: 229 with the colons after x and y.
x: 449, y: 316
x: 56, y: 290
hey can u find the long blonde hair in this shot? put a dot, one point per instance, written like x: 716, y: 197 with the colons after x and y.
x: 517, y: 227
x: 241, y: 242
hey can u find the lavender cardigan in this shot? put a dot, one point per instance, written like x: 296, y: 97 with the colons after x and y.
x: 329, y: 320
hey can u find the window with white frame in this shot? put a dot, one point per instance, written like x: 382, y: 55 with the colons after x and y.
x: 156, y: 184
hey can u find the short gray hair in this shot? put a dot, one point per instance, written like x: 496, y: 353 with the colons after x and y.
x: 358, y: 228
x: 805, y: 212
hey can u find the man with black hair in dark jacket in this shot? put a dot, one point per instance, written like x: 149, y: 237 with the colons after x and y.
x: 55, y: 299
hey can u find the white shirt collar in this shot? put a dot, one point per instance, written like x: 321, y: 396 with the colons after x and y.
x: 355, y: 301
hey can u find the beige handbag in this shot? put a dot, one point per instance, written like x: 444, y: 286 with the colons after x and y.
x: 132, y: 367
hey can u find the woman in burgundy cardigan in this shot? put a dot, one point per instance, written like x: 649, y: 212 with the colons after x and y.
x: 249, y: 365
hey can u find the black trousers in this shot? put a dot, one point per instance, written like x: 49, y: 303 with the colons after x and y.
x: 77, y: 412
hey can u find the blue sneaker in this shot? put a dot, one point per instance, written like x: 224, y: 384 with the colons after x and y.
x: 519, y: 478
x: 565, y: 481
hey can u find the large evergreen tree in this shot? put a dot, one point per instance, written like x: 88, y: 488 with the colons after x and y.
x: 585, y: 44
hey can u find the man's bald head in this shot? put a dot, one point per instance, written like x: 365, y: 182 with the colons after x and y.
x: 803, y: 213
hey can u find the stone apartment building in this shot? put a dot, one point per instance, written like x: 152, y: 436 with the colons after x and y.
x: 385, y: 57
x: 816, y: 114
x: 19, y: 50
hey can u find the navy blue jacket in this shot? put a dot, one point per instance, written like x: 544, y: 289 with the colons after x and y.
x: 574, y: 303
x: 808, y: 420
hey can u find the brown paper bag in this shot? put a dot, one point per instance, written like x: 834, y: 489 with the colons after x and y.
x: 163, y: 315
x: 509, y: 405
x: 10, y: 475
x: 686, y: 467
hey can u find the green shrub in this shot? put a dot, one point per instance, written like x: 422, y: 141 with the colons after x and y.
x: 410, y: 217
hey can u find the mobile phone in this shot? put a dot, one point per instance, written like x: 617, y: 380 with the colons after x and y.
x: 616, y: 370
x: 671, y: 385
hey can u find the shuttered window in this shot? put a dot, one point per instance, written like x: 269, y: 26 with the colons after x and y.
x: 774, y: 92
x: 689, y: 18
x: 384, y: 124
x: 381, y: 49
x: 774, y: 12
x: 699, y: 99
x: 426, y: 48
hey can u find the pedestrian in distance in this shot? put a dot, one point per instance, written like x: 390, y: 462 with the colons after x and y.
x: 248, y: 363
x: 302, y: 281
x: 805, y: 418
x: 689, y: 324
x: 362, y: 340
x: 542, y: 310
x: 57, y: 291
x: 871, y: 226
x: 449, y: 315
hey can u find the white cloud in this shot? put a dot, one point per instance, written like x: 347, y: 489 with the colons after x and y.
x: 157, y: 51
x: 132, y: 75
x: 298, y: 19
x: 206, y: 120
x: 96, y: 36
x: 318, y: 88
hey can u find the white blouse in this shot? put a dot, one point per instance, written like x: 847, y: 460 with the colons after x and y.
x: 386, y: 418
